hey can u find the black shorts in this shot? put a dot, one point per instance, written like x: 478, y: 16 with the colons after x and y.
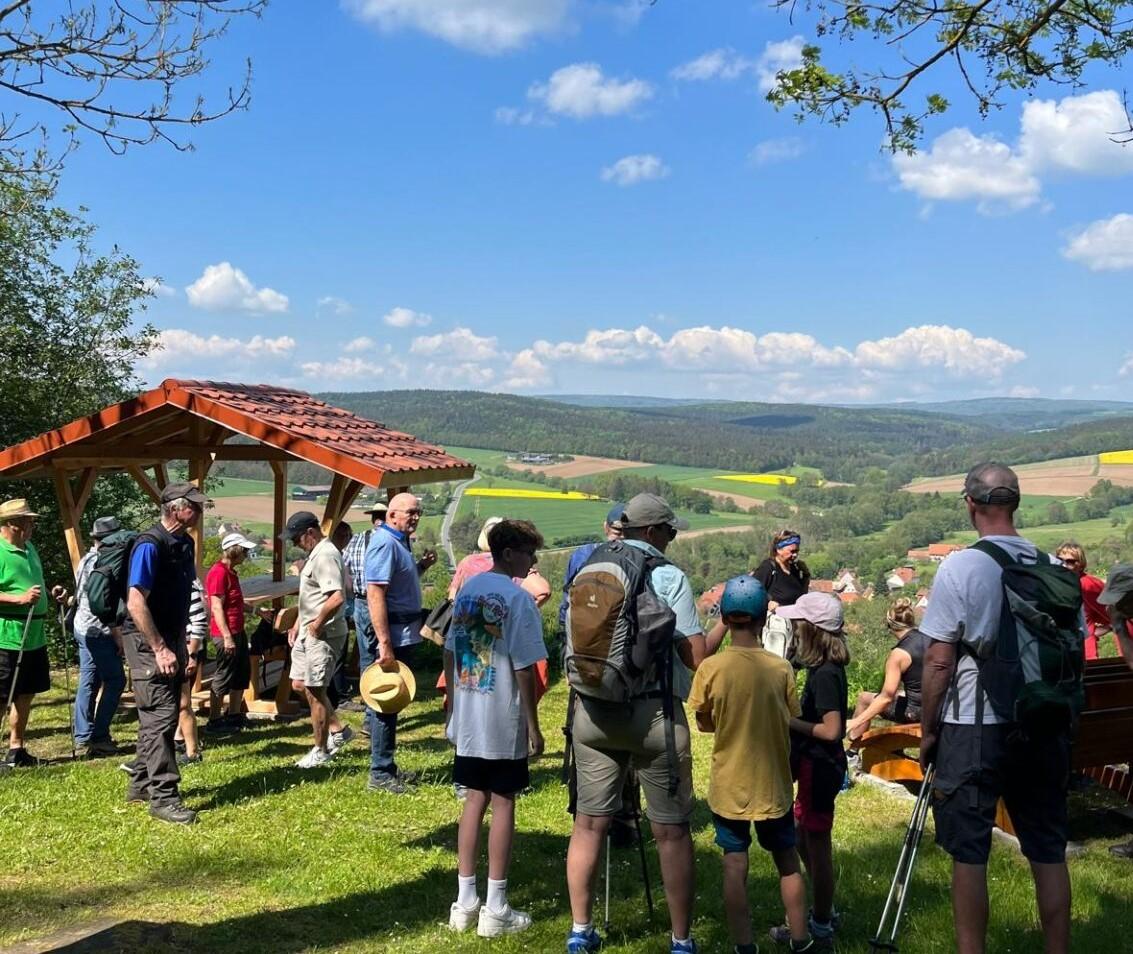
x: 233, y: 670
x: 498, y: 776
x: 1030, y: 776
x: 774, y: 834
x: 34, y: 674
x: 900, y: 711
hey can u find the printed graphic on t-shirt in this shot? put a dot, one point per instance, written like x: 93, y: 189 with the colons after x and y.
x: 478, y: 622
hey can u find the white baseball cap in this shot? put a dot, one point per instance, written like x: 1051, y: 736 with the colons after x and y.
x: 236, y: 540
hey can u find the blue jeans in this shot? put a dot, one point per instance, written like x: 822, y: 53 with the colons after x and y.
x: 100, y: 667
x: 383, y: 729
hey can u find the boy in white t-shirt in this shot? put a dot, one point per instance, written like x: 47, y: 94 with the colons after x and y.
x: 493, y: 644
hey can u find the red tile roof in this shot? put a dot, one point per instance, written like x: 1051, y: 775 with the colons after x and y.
x: 179, y: 418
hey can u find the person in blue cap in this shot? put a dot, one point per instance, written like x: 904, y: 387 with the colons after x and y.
x: 746, y: 697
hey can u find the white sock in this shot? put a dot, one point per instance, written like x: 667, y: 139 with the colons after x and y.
x: 582, y: 928
x: 466, y: 895
x: 497, y: 895
x: 682, y: 940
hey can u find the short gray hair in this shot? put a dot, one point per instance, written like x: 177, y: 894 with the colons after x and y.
x: 177, y: 504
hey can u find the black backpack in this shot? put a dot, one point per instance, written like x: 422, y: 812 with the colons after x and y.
x: 106, y: 582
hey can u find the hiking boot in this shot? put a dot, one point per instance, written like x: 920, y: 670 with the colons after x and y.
x: 186, y: 759
x: 101, y: 750
x: 350, y: 705
x: 461, y: 918
x: 1124, y: 850
x: 820, y: 931
x: 410, y: 777
x: 219, y: 727
x: 682, y: 947
x: 174, y: 812
x: 497, y: 923
x: 19, y: 758
x: 387, y: 783
x: 237, y: 722
x: 314, y: 758
x: 583, y: 942
x: 338, y: 739
x: 179, y: 746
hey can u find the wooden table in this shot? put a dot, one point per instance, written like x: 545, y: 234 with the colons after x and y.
x: 263, y: 589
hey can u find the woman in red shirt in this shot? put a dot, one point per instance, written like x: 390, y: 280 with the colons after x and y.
x: 1073, y: 557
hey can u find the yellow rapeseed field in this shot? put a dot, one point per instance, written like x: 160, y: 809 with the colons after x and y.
x: 528, y: 494
x: 760, y: 478
x: 1116, y: 457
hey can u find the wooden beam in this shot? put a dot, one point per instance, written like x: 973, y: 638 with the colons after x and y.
x: 343, y: 492
x: 69, y: 517
x: 86, y: 487
x: 160, y: 475
x: 279, y: 519
x: 141, y: 478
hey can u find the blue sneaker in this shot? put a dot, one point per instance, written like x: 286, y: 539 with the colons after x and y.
x: 682, y: 947
x: 583, y: 942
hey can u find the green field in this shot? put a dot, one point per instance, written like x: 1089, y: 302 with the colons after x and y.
x: 239, y: 487
x: 290, y: 861
x: 1086, y: 532
x: 703, y: 478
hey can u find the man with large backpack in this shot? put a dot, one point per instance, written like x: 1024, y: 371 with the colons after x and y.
x: 1002, y: 686
x: 159, y: 586
x: 632, y: 636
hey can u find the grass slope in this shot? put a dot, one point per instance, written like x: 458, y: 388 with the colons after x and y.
x: 291, y: 861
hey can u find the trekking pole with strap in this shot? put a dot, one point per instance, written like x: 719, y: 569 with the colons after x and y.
x: 16, y: 671
x: 885, y: 939
x: 67, y: 677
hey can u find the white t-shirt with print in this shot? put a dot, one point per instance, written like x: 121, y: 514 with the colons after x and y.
x: 496, y: 629
x: 964, y: 607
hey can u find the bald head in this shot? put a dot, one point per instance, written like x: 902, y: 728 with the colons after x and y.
x: 404, y: 513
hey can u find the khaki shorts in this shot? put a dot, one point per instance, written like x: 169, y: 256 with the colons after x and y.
x: 608, y: 738
x: 313, y: 661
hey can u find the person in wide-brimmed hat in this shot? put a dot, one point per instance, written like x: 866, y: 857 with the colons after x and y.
x: 24, y: 668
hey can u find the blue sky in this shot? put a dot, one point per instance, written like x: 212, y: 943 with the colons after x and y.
x: 593, y: 196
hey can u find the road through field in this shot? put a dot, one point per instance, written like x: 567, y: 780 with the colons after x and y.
x: 450, y: 515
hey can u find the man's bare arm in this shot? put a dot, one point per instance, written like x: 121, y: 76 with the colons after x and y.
x: 939, y: 665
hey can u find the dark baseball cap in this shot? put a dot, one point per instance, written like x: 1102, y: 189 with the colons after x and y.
x: 298, y: 523
x: 1118, y: 584
x: 649, y: 510
x: 992, y: 483
x: 191, y: 492
x: 615, y: 514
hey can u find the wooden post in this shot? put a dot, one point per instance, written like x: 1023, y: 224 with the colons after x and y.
x: 343, y: 493
x: 149, y: 488
x: 279, y: 519
x: 70, y: 518
x: 198, y: 471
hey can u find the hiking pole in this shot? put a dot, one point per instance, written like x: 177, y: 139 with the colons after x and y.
x: 644, y: 867
x: 16, y: 675
x: 898, y: 889
x: 67, y: 678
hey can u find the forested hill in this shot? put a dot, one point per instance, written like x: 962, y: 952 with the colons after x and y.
x: 737, y: 436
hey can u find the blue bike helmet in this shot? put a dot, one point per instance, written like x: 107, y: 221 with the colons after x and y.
x: 744, y: 594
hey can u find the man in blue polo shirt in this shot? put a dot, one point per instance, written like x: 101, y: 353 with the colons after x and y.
x: 393, y: 597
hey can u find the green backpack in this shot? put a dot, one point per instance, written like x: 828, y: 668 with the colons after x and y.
x: 106, y: 582
x: 1033, y: 673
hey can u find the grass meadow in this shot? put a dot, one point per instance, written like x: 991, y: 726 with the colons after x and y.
x: 291, y: 861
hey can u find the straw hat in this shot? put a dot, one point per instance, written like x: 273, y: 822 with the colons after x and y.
x: 387, y: 692
x: 16, y: 507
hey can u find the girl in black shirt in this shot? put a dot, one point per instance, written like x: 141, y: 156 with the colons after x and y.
x: 784, y: 576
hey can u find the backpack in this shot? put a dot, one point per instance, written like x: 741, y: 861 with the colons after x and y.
x: 1032, y: 674
x: 106, y: 582
x: 778, y: 636
x: 618, y: 632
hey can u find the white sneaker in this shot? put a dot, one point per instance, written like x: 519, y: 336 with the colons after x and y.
x: 338, y: 739
x: 461, y: 918
x: 314, y: 758
x: 507, y: 921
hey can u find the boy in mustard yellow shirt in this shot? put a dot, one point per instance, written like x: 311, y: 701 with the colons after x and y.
x: 746, y: 696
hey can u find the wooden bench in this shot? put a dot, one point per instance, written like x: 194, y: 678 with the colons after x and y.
x: 1102, y: 744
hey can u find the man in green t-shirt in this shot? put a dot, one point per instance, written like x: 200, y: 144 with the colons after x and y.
x: 23, y: 608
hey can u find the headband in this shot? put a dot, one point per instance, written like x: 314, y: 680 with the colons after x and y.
x: 790, y: 541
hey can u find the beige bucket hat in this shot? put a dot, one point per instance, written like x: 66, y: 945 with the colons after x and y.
x: 387, y: 692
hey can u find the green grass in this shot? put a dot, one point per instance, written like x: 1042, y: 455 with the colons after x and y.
x: 1086, y: 532
x: 292, y: 861
x: 239, y: 487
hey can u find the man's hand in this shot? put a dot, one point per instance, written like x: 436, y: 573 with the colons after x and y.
x: 229, y: 645
x: 292, y: 635
x: 191, y: 665
x: 31, y: 595
x: 59, y: 593
x: 166, y: 661
x: 535, y: 743
x: 312, y: 632
x: 428, y: 558
x: 386, y: 658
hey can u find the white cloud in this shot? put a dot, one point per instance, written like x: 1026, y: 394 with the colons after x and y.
x: 527, y: 372
x: 462, y: 374
x: 961, y: 165
x: 406, y: 318
x: 776, y: 150
x: 483, y: 26
x: 778, y: 57
x: 724, y: 63
x: 630, y: 170
x: 1024, y: 391
x: 460, y: 343
x: 332, y: 304
x: 510, y: 116
x: 613, y: 346
x: 954, y: 350
x: 224, y: 287
x: 181, y: 345
x: 1105, y: 245
x: 1077, y: 134
x: 581, y: 91
x: 359, y: 345
x: 155, y: 286
x: 1127, y: 368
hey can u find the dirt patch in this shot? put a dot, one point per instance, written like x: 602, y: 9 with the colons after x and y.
x: 745, y: 503
x: 1069, y: 477
x: 579, y: 467
x: 689, y: 534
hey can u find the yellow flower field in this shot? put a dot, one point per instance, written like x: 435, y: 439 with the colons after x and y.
x: 1116, y: 457
x: 760, y: 478
x: 528, y: 494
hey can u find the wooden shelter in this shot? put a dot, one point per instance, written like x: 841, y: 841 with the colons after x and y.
x: 203, y: 422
